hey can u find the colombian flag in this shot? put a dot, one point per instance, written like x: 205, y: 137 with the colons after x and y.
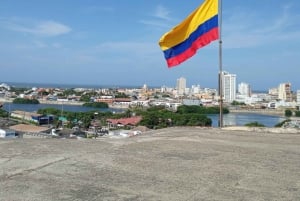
x: 196, y: 31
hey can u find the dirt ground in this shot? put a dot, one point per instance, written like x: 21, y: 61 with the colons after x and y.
x: 175, y: 164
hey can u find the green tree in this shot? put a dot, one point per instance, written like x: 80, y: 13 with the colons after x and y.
x: 297, y: 113
x: 237, y: 103
x: 280, y: 124
x: 254, y: 124
x: 17, y: 90
x: 159, y: 117
x: 85, y: 98
x: 288, y: 113
x: 3, y: 113
x: 25, y: 101
x: 68, y: 92
x: 200, y: 109
x: 121, y: 95
x: 96, y: 105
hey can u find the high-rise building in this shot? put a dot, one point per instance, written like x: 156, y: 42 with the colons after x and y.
x: 195, y: 89
x: 284, y: 92
x: 244, y: 89
x: 229, y: 86
x: 181, y: 85
x: 298, y: 96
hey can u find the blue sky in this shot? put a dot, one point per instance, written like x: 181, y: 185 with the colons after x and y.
x: 115, y: 42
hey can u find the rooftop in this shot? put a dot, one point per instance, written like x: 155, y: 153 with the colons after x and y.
x: 167, y: 164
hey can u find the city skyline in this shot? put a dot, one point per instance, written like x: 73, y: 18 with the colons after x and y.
x: 111, y: 43
x: 174, y: 86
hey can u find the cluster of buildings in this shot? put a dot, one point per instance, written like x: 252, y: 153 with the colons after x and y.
x: 172, y: 97
x: 281, y: 96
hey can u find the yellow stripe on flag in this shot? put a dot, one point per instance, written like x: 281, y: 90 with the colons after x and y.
x: 182, y: 31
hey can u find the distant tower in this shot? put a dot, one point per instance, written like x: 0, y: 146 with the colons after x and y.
x: 229, y: 86
x: 284, y: 92
x: 181, y: 85
x: 195, y: 89
x: 145, y: 88
x: 244, y: 89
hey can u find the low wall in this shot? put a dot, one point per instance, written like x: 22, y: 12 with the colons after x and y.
x: 259, y: 111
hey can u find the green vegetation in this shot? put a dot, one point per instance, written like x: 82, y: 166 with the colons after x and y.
x: 288, y: 113
x: 159, y: 117
x: 183, y: 109
x: 121, y: 95
x: 280, y: 124
x: 237, y: 103
x: 75, y: 118
x: 17, y: 90
x: 297, y: 113
x: 3, y: 113
x: 69, y: 92
x: 96, y: 105
x: 85, y: 98
x: 25, y: 101
x: 165, y: 95
x: 254, y: 124
x: 154, y: 117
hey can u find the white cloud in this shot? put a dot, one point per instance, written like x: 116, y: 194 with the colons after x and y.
x: 241, y: 31
x: 160, y: 17
x: 154, y: 23
x: 118, y: 52
x: 96, y: 9
x: 129, y: 47
x: 56, y: 45
x: 162, y: 13
x: 42, y: 28
x: 39, y: 44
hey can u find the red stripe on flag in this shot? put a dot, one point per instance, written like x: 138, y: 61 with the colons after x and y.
x: 200, y: 42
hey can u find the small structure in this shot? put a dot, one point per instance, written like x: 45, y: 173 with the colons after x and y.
x: 7, y: 133
x: 31, y: 116
x: 30, y: 130
x: 67, y: 133
x: 130, y: 122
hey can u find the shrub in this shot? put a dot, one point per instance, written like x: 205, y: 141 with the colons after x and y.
x: 288, y: 113
x: 254, y: 124
x: 25, y: 101
x: 280, y: 124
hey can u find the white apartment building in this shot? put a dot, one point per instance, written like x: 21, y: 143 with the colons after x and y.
x: 195, y: 89
x: 298, y: 97
x: 181, y: 86
x: 244, y: 89
x: 229, y: 86
x: 273, y: 91
x: 284, y: 92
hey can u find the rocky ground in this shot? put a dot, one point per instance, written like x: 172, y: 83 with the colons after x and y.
x: 181, y: 164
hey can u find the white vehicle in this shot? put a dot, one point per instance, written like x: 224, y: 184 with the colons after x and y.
x: 7, y: 133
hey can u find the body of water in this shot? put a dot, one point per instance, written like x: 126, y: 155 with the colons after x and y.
x: 231, y: 119
x: 240, y: 119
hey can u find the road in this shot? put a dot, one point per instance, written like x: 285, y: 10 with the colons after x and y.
x: 174, y: 164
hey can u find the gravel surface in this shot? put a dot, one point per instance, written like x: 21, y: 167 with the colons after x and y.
x: 175, y: 164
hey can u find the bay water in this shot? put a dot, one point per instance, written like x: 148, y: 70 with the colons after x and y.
x: 231, y: 119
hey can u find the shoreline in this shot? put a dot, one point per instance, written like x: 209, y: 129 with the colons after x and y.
x: 79, y: 103
x: 271, y: 112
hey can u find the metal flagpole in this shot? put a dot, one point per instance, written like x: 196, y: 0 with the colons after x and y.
x: 220, y: 65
